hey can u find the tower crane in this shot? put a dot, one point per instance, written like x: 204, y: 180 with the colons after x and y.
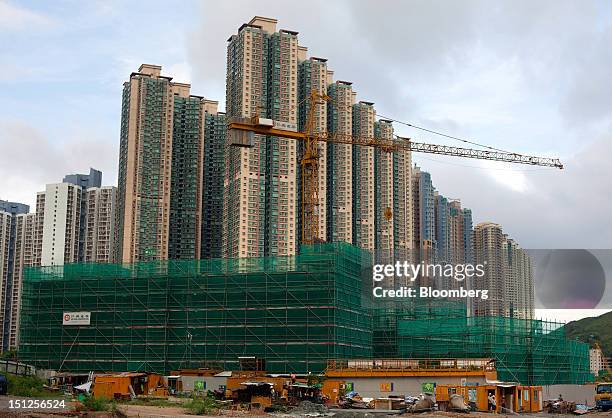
x: 241, y: 129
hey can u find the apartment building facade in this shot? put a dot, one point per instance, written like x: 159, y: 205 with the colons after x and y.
x: 363, y: 180
x: 61, y: 224
x: 442, y: 228
x: 186, y: 177
x: 508, y: 274
x: 403, y: 204
x: 424, y: 215
x: 211, y: 245
x: 518, y: 274
x: 260, y: 210
x: 9, y: 258
x: 84, y: 181
x: 340, y: 163
x: 313, y: 75
x: 387, y: 215
x: 99, y: 231
x: 25, y: 238
x: 145, y: 157
x: 597, y: 361
x: 161, y: 169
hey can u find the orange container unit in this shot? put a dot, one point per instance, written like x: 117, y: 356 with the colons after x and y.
x: 331, y: 389
x: 512, y: 397
x: 118, y: 385
x: 103, y: 390
x: 529, y: 398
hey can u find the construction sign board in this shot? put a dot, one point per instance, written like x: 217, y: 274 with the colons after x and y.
x: 76, y: 318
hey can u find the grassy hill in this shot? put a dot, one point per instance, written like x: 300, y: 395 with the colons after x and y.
x: 591, y: 330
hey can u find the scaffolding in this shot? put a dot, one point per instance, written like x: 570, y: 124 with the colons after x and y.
x: 531, y: 352
x: 294, y: 312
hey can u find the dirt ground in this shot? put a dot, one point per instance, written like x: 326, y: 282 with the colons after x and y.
x: 141, y: 411
x: 123, y: 411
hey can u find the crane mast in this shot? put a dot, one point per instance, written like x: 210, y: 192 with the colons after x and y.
x: 240, y: 130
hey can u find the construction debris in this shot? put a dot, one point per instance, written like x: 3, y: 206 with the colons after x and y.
x: 581, y: 409
x: 425, y: 403
x: 353, y: 400
x: 559, y: 406
x: 456, y: 403
x: 310, y: 409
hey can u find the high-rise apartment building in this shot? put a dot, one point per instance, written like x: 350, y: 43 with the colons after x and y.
x: 597, y: 361
x: 424, y: 219
x: 85, y: 181
x: 508, y: 274
x: 99, y: 229
x: 468, y: 235
x: 6, y: 235
x: 159, y: 200
x: 24, y: 257
x: 12, y: 218
x: 281, y: 154
x: 61, y: 224
x: 39, y: 223
x: 185, y: 218
x: 313, y: 75
x: 442, y: 226
x: 403, y: 210
x: 340, y: 163
x: 212, y: 198
x: 456, y: 226
x: 453, y: 226
x: 261, y: 181
x: 8, y: 220
x: 74, y: 221
x: 145, y: 158
x: 488, y: 247
x: 364, y: 117
x: 386, y: 191
x: 518, y: 275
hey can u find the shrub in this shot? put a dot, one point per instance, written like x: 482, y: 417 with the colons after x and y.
x: 27, y: 386
x: 203, y: 406
x: 98, y: 404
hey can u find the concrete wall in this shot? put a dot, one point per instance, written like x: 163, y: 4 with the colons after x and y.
x: 574, y: 393
x: 370, y: 387
x: 212, y: 382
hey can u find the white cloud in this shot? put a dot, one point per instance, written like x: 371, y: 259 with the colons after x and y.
x: 18, y: 18
x: 30, y: 159
x: 510, y: 177
x: 180, y: 72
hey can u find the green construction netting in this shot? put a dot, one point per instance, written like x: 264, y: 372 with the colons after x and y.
x: 294, y: 312
x: 527, y: 351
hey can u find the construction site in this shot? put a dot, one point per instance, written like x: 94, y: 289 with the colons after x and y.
x: 294, y: 313
x: 256, y: 287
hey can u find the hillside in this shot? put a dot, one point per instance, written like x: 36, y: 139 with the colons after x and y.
x: 590, y: 330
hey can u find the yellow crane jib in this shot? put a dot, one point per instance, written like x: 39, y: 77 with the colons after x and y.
x: 242, y: 130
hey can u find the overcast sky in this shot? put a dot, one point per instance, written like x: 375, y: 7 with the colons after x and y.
x: 530, y: 77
